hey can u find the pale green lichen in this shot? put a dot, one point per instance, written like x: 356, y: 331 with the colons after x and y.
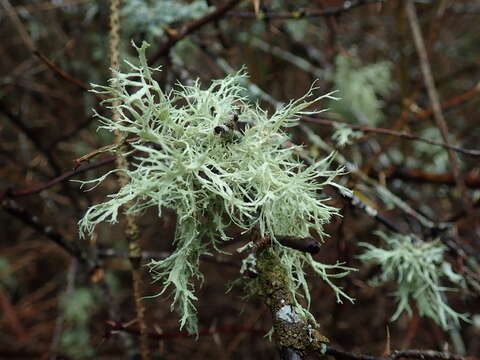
x: 362, y: 88
x: 216, y: 159
x: 419, y: 270
x: 344, y: 135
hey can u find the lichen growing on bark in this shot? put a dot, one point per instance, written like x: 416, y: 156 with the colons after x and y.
x: 211, y: 154
x: 292, y: 328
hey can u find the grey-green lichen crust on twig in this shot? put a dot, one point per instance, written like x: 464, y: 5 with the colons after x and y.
x: 216, y: 159
x: 293, y: 329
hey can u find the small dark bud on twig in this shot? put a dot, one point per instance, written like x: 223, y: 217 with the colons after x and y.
x: 308, y: 245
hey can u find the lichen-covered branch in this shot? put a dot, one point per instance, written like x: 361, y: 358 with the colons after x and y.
x: 132, y: 231
x: 294, y: 334
x: 211, y: 154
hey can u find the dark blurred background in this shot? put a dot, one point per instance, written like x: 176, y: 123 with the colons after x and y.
x: 65, y: 298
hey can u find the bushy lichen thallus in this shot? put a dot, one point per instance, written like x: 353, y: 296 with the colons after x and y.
x: 218, y: 160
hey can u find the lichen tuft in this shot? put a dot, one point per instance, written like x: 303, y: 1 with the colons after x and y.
x: 216, y: 159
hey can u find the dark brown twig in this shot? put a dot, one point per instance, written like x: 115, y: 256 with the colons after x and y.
x: 57, y: 180
x: 103, y: 149
x: 308, y: 245
x: 12, y: 208
x: 192, y: 27
x: 12, y: 14
x: 404, y: 354
x: 302, y: 14
x: 64, y: 75
x: 115, y: 326
x: 330, y: 350
x: 453, y: 101
x: 18, y: 123
x: 29, y: 43
x: 389, y: 132
x: 434, y: 97
x: 472, y: 180
x: 72, y: 133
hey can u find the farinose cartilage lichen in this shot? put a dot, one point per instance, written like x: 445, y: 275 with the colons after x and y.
x: 216, y: 159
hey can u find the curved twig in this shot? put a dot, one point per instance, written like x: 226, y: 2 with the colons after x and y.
x: 192, y: 27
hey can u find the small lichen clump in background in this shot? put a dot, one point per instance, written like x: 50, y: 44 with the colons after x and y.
x: 419, y: 270
x: 194, y: 157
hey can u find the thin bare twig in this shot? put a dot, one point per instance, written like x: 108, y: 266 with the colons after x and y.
x: 404, y: 354
x: 433, y: 95
x: 472, y: 179
x: 192, y: 27
x: 55, y: 181
x: 302, y: 13
x: 18, y: 122
x: 115, y: 327
x: 389, y: 132
x: 111, y: 147
x: 11, y: 11
x: 48, y: 5
x: 64, y: 75
x: 72, y: 248
x: 451, y: 102
x: 12, y: 14
x: 330, y: 350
